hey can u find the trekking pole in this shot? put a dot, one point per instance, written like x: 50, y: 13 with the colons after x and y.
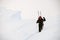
x: 39, y: 13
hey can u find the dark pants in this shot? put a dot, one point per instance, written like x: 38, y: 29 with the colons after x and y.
x: 40, y: 27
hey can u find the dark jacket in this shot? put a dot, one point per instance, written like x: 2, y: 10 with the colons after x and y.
x: 41, y: 20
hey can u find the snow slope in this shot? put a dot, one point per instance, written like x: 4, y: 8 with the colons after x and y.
x: 12, y: 27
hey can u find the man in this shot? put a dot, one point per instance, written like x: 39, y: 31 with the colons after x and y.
x: 40, y: 21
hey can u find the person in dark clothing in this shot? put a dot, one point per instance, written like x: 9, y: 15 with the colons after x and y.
x: 40, y: 21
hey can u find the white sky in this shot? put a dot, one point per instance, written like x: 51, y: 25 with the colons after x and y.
x: 29, y: 8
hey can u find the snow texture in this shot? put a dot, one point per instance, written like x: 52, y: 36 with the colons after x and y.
x: 12, y: 27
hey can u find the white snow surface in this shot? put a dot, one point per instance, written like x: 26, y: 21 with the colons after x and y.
x: 12, y: 27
